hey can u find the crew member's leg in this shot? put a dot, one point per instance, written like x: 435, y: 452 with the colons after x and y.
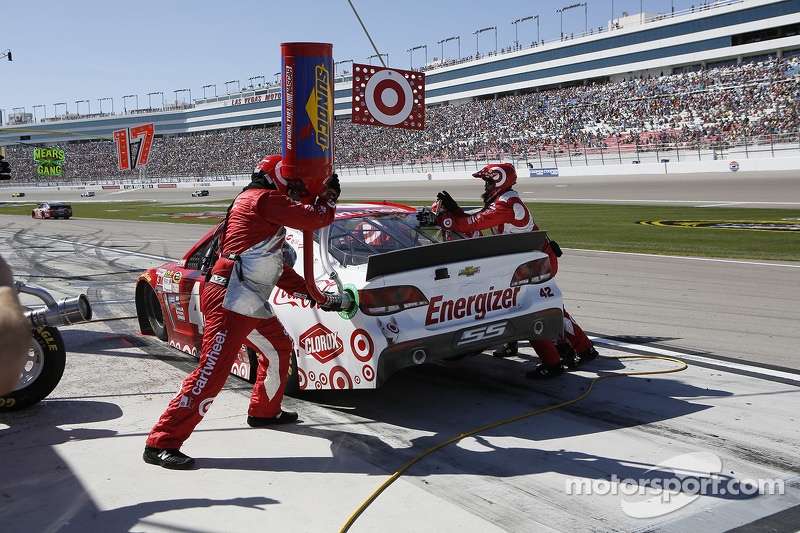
x: 223, y: 336
x: 584, y: 350
x: 275, y: 345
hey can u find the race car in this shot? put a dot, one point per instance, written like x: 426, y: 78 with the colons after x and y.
x: 200, y: 192
x: 87, y: 194
x: 52, y: 210
x: 419, y: 294
x: 18, y: 195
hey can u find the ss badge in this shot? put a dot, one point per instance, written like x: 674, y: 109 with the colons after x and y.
x: 482, y: 333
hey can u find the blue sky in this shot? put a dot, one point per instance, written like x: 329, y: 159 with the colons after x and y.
x: 75, y: 50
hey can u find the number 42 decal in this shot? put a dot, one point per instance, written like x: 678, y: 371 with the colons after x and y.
x: 125, y: 141
x: 546, y: 292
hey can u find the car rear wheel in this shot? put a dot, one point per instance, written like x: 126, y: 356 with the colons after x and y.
x: 293, y: 380
x: 155, y: 317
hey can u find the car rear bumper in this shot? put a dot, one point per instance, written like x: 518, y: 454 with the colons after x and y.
x: 545, y: 324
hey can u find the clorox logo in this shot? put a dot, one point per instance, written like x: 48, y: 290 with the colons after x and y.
x: 321, y: 343
x: 319, y: 107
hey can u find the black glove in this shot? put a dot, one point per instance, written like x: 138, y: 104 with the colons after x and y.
x: 333, y: 186
x: 447, y: 202
x: 333, y: 302
x: 426, y: 217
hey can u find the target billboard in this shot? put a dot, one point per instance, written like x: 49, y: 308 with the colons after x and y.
x: 388, y: 97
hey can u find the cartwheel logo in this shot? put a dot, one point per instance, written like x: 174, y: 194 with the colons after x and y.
x: 321, y: 343
x: 750, y: 225
x: 319, y: 108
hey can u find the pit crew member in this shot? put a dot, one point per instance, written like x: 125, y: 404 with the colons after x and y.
x: 504, y: 212
x: 236, y: 310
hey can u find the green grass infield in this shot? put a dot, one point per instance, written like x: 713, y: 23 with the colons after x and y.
x: 765, y: 234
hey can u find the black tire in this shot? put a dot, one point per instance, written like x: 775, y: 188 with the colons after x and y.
x: 155, y: 316
x: 293, y: 381
x: 33, y: 215
x: 43, y: 370
x: 251, y: 354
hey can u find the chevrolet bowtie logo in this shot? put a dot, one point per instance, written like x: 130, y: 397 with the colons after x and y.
x: 469, y: 271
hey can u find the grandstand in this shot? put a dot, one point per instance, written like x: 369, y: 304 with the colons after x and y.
x: 721, y: 76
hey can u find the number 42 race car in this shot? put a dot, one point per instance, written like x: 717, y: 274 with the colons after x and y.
x: 421, y: 294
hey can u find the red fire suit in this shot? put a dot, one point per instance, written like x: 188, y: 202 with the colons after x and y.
x: 508, y: 214
x: 236, y: 311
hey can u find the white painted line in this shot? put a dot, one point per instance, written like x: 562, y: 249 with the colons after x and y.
x: 707, y: 259
x: 698, y: 359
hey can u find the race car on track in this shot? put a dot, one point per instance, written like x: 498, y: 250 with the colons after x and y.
x: 52, y: 210
x: 87, y: 194
x: 18, y: 195
x: 200, y: 192
x: 421, y: 294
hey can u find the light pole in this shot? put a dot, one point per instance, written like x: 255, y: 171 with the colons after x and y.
x: 477, y: 32
x: 183, y: 91
x: 207, y: 86
x: 44, y: 109
x: 15, y: 111
x: 447, y: 40
x: 237, y: 85
x: 124, y: 107
x: 88, y: 107
x: 516, y: 36
x: 339, y: 63
x: 380, y: 58
x: 55, y: 108
x: 263, y: 81
x: 586, y: 17
x: 150, y: 105
x: 411, y: 54
x: 101, y: 104
x: 277, y: 77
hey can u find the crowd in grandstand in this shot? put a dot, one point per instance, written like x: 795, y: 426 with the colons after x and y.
x: 718, y: 105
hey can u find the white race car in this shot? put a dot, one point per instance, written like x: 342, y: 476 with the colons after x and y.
x: 421, y: 294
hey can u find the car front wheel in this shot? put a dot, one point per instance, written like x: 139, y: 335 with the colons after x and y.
x: 154, y: 315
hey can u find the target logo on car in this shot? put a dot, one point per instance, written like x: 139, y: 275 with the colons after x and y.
x: 388, y: 97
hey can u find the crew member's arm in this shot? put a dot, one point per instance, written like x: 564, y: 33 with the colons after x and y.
x: 489, y: 217
x: 284, y: 211
x: 291, y: 282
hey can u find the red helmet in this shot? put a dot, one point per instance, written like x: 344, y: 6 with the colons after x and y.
x: 271, y: 167
x: 503, y: 176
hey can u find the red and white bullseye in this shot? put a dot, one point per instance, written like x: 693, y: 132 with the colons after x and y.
x: 361, y: 345
x: 388, y: 97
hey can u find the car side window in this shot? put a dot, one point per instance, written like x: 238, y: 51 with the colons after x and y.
x: 193, y: 261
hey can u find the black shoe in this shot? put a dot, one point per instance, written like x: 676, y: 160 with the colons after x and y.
x: 507, y: 350
x: 284, y: 417
x: 584, y: 357
x: 567, y: 354
x: 171, y: 458
x: 545, y: 372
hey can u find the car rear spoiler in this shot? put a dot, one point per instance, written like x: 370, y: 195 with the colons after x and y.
x: 450, y: 252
